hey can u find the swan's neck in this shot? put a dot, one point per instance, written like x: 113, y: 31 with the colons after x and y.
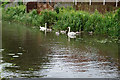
x: 45, y: 25
x: 69, y: 29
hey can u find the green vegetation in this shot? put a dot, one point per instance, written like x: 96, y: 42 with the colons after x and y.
x: 3, y: 4
x: 18, y: 14
x: 61, y: 18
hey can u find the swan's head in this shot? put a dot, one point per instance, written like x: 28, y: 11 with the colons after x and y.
x: 68, y: 27
x: 45, y: 23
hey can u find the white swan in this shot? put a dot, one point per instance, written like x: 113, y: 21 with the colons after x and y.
x: 57, y: 33
x: 34, y: 27
x: 90, y: 33
x: 43, y: 28
x: 78, y: 32
x: 71, y: 34
x: 49, y: 30
x: 63, y: 32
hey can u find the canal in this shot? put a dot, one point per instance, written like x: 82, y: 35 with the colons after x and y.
x: 29, y: 53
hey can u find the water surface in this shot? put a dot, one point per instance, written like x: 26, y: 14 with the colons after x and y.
x: 29, y: 53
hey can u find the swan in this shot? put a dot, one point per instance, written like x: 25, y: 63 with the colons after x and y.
x: 49, y: 30
x: 78, y: 32
x: 43, y: 28
x: 63, y: 32
x: 57, y: 33
x: 70, y: 34
x: 33, y: 27
x: 90, y: 33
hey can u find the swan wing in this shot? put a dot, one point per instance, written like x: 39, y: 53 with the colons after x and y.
x: 71, y: 33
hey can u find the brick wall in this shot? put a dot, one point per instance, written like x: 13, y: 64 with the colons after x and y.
x: 39, y: 6
x: 109, y: 6
x: 31, y: 6
x: 42, y: 6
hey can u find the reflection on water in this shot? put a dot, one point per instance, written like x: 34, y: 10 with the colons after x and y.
x: 31, y: 53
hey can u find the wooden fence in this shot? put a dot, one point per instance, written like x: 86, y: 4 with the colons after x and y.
x: 90, y: 1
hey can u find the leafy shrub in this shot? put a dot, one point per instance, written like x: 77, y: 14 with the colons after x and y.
x: 13, y: 12
x: 61, y: 18
x: 48, y: 17
x: 57, y: 10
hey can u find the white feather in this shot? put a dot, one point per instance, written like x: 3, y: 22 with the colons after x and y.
x: 71, y: 34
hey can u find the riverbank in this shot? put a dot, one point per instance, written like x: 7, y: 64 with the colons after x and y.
x: 61, y: 18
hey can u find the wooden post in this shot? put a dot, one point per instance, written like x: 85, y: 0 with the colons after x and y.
x: 90, y: 2
x: 116, y: 3
x: 75, y: 2
x: 103, y: 2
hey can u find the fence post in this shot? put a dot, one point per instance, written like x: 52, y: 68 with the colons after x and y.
x: 116, y: 3
x: 90, y: 2
x: 75, y: 2
x: 103, y: 2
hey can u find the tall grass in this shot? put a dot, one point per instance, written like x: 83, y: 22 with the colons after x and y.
x: 61, y: 18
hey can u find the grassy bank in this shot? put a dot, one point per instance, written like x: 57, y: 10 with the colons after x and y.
x: 61, y: 18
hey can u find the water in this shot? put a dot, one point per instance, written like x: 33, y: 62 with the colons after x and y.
x: 27, y: 53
